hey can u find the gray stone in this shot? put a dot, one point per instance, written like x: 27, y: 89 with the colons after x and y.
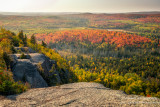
x: 78, y: 95
x: 27, y: 70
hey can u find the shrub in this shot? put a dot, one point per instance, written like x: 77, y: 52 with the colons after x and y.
x: 15, y: 41
x: 23, y: 56
x: 7, y: 59
x: 8, y: 86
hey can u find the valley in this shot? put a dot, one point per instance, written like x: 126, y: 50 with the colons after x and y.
x: 119, y: 51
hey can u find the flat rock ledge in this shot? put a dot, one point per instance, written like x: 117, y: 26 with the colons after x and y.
x: 81, y: 94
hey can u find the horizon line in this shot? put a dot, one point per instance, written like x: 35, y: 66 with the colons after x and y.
x: 81, y: 12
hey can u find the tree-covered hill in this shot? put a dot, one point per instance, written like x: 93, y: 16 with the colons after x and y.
x: 121, y: 51
x: 118, y: 60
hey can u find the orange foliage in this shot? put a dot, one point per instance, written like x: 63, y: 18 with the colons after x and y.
x: 95, y: 36
x: 148, y: 95
x: 150, y: 19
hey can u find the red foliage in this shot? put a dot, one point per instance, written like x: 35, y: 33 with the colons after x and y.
x: 148, y: 95
x: 149, y: 19
x: 95, y: 36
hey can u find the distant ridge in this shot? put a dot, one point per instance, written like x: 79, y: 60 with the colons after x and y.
x: 37, y: 13
x: 64, y: 13
x: 147, y: 12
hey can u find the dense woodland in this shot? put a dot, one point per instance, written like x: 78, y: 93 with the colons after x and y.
x: 121, y: 51
x: 128, y: 62
x: 140, y: 23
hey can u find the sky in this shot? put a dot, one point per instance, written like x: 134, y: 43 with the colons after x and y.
x: 102, y: 6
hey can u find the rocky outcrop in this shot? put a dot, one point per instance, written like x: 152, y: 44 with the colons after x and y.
x: 78, y: 95
x: 36, y: 69
x: 26, y: 71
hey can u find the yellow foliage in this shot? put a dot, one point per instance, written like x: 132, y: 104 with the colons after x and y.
x: 5, y: 45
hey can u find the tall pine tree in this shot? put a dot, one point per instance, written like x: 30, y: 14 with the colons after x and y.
x: 20, y: 35
x: 33, y: 39
x: 25, y: 40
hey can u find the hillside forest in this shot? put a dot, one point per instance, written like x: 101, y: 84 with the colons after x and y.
x: 120, y: 51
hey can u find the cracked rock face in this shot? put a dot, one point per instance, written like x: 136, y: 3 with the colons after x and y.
x: 26, y: 70
x: 78, y: 95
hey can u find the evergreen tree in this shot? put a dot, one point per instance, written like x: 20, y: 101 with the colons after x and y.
x: 103, y: 40
x: 44, y: 44
x: 20, y: 35
x: 6, y: 59
x: 33, y: 39
x: 25, y: 40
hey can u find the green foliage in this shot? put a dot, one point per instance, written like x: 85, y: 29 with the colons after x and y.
x: 61, y: 64
x: 33, y: 39
x: 20, y: 35
x: 49, y: 77
x: 137, y: 75
x: 25, y: 40
x: 12, y: 49
x: 15, y: 41
x: 7, y: 59
x: 23, y: 56
x: 22, y: 40
x: 8, y: 86
x: 131, y: 83
x: 44, y: 44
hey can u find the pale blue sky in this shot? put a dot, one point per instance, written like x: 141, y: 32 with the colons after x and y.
x: 106, y: 6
